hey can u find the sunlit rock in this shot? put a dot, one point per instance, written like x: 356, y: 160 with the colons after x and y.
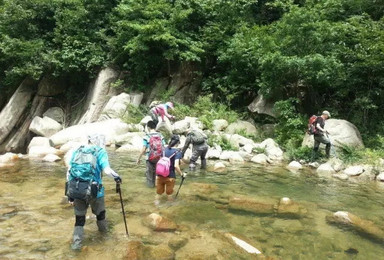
x: 45, y: 126
x: 242, y: 126
x: 219, y: 125
x: 181, y: 127
x: 159, y: 223
x: 380, y: 177
x: 219, y: 167
x: 40, y: 141
x: 41, y: 151
x: 294, y: 165
x: 260, y: 159
x: 325, y: 170
x: 51, y: 158
x: 354, y: 170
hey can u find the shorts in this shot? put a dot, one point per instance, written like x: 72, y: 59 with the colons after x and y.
x: 81, y: 206
x: 164, y: 184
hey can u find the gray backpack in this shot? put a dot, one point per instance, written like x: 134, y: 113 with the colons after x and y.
x: 197, y: 137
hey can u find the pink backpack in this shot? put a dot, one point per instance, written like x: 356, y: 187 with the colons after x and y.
x: 155, y: 148
x: 164, y: 164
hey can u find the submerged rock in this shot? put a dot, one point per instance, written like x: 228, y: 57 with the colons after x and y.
x: 362, y: 226
x: 177, y: 242
x: 159, y: 223
x: 219, y: 167
x: 135, y: 250
x: 162, y: 252
x: 290, y: 209
x: 251, y: 205
x: 243, y: 244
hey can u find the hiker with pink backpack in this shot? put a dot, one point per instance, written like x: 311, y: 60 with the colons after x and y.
x: 166, y: 169
x: 153, y: 146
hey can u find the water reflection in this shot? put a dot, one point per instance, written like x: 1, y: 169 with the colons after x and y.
x: 35, y: 222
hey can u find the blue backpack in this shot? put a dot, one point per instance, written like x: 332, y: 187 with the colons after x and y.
x: 82, y: 172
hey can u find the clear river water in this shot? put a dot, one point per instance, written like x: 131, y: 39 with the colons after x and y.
x: 36, y: 223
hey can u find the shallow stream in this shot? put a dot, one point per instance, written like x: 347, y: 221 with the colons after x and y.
x: 35, y: 222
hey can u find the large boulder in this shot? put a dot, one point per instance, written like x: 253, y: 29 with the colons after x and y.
x: 242, y: 126
x: 8, y: 157
x: 98, y: 96
x: 272, y: 150
x: 110, y: 128
x: 361, y: 226
x: 341, y: 132
x: 238, y: 141
x: 40, y: 141
x: 325, y: 170
x: 181, y: 127
x: 262, y: 106
x: 117, y: 106
x: 15, y: 108
x: 136, y: 98
x: 56, y: 113
x: 213, y: 153
x: 45, y: 126
x: 260, y: 159
x: 219, y: 124
x: 42, y: 151
x: 164, y: 127
x: 294, y: 165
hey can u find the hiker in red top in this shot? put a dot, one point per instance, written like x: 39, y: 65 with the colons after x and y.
x: 153, y: 146
x: 321, y: 135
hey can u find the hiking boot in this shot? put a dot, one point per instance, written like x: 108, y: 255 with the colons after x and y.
x: 78, y: 235
x: 102, y: 225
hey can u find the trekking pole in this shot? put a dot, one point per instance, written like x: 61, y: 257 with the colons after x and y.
x: 118, y: 190
x: 181, y: 183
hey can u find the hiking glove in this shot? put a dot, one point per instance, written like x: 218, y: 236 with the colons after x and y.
x: 184, y: 175
x: 118, y: 179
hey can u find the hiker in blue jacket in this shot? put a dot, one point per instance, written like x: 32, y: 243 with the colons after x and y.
x: 97, y: 144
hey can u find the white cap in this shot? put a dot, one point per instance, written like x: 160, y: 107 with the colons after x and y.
x: 325, y: 112
x: 97, y: 139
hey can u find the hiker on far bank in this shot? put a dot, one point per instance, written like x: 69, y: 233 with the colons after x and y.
x: 321, y: 135
x: 84, y: 185
x: 161, y: 110
x: 199, y: 148
x: 166, y: 173
x: 153, y: 146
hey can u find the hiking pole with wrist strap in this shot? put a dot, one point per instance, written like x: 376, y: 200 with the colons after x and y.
x: 118, y: 190
x: 181, y: 183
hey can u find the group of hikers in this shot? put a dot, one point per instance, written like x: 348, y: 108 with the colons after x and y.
x: 84, y: 186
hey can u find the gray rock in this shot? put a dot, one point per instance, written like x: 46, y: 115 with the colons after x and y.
x: 117, y: 106
x: 341, y: 176
x: 261, y: 106
x: 45, y: 126
x: 219, y: 167
x: 238, y: 141
x: 110, y: 128
x: 239, y: 126
x: 380, y: 177
x: 219, y: 124
x: 181, y: 127
x: 41, y: 151
x: 326, y: 170
x: 98, y: 96
x: 341, y: 132
x: 213, y: 154
x: 145, y: 120
x: 294, y: 165
x: 337, y: 164
x: 56, y: 113
x: 354, y: 170
x: 314, y: 165
x: 236, y: 158
x: 136, y: 98
x: 15, y: 108
x: 40, y: 141
x: 51, y: 158
x: 260, y: 159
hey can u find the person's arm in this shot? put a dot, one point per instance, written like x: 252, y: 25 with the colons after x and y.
x: 141, y: 154
x: 186, y: 145
x: 166, y: 112
x: 177, y: 168
x: 103, y: 162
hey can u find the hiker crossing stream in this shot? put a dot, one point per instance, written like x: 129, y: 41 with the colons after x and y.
x: 243, y: 211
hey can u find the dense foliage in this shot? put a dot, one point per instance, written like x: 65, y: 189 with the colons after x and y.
x: 309, y: 54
